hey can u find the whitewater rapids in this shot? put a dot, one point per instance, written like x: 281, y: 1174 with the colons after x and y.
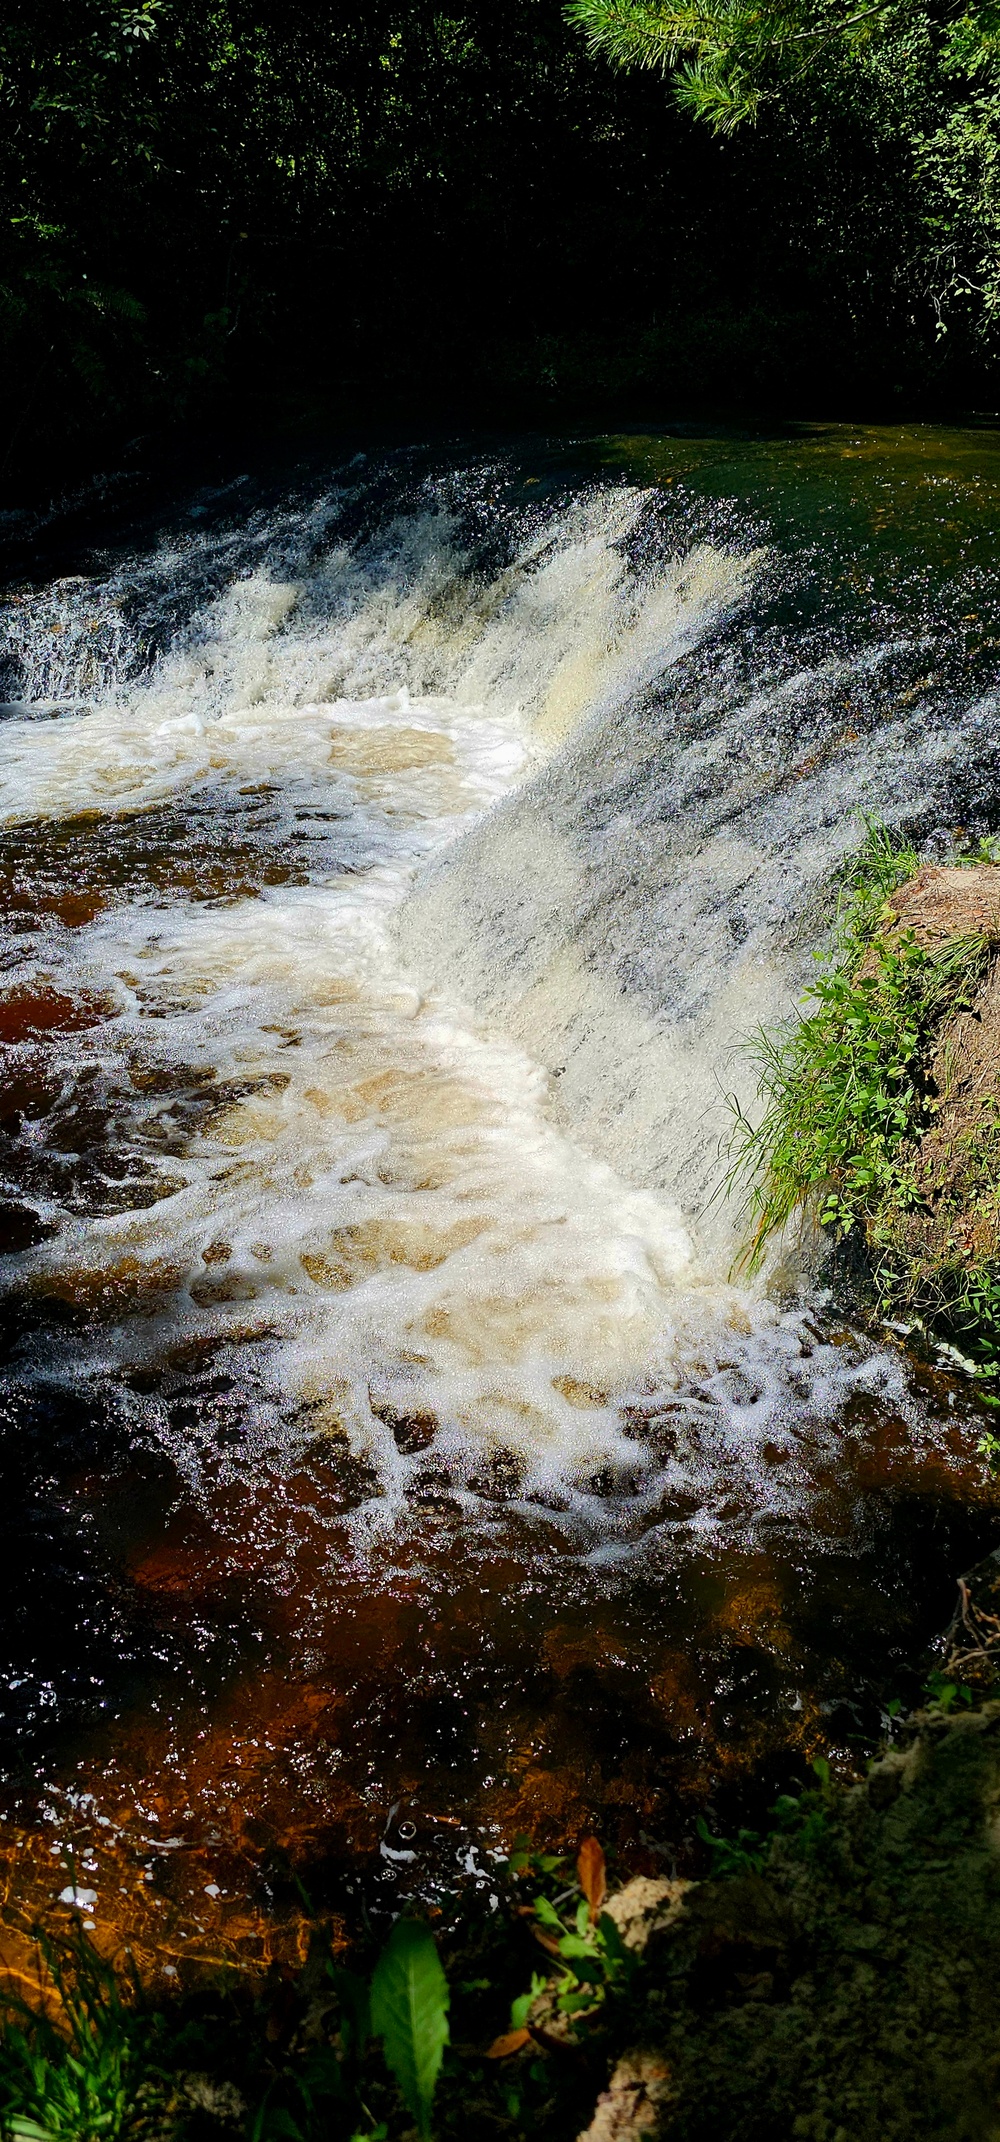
x: 454, y: 1188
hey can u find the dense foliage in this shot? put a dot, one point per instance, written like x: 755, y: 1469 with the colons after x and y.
x: 925, y: 79
x: 210, y: 204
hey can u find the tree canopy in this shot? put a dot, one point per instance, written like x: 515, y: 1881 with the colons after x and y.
x: 923, y: 79
x: 218, y: 203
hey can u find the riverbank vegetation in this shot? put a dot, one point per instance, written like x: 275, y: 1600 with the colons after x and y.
x: 255, y: 211
x: 834, y: 1977
x: 880, y: 1117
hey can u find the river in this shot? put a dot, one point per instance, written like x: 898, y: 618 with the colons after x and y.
x: 397, y: 860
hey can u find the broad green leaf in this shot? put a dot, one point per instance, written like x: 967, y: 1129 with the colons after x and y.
x: 547, y: 1913
x: 409, y: 2012
x: 574, y: 1945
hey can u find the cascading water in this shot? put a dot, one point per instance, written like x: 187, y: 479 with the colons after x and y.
x: 393, y: 881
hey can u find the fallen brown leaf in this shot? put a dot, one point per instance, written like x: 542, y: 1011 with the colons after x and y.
x: 592, y: 1874
x: 510, y: 2042
x: 549, y: 1942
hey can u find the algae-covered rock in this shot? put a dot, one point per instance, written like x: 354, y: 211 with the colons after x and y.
x: 850, y: 1992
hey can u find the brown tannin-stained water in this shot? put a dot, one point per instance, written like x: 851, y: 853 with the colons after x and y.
x: 392, y: 874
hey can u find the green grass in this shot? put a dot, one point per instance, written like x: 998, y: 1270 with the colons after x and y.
x: 73, y: 2073
x: 848, y: 1097
x: 98, y: 2060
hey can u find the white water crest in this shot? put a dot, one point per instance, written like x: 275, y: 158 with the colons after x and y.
x: 454, y: 1190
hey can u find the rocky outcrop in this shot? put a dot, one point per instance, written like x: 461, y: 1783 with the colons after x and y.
x: 941, y: 902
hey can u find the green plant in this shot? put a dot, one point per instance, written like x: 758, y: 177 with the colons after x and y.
x: 320, y: 2079
x: 75, y: 2077
x: 800, y: 1816
x: 591, y: 1959
x: 409, y: 2012
x: 942, y: 1692
x: 848, y: 1098
x: 742, y: 1854
x: 98, y: 2061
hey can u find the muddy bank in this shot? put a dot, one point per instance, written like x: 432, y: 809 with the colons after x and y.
x: 850, y: 1990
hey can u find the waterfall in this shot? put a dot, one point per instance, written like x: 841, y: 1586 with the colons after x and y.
x: 417, y: 1096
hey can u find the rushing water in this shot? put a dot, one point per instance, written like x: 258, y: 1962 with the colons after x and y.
x: 394, y: 871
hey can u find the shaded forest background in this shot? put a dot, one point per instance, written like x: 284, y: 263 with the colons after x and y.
x: 261, y: 207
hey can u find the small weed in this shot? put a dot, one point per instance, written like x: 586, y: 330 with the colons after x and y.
x: 743, y: 1854
x: 591, y: 1959
x: 943, y: 1693
x: 802, y: 1817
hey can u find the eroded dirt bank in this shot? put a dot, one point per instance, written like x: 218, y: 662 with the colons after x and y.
x: 850, y: 1990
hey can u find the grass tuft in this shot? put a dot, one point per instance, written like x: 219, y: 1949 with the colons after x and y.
x: 75, y: 2077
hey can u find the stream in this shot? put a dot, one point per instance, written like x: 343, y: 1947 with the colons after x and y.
x: 397, y: 858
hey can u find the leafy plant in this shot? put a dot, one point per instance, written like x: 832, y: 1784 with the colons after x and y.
x: 591, y: 1958
x: 742, y: 1854
x: 409, y: 2012
x: 801, y: 1816
x: 942, y: 1692
x: 525, y: 1860
x: 848, y: 1098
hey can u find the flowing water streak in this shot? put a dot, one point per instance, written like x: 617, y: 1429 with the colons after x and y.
x: 421, y: 1225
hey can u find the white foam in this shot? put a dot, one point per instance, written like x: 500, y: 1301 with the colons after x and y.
x: 407, y: 1210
